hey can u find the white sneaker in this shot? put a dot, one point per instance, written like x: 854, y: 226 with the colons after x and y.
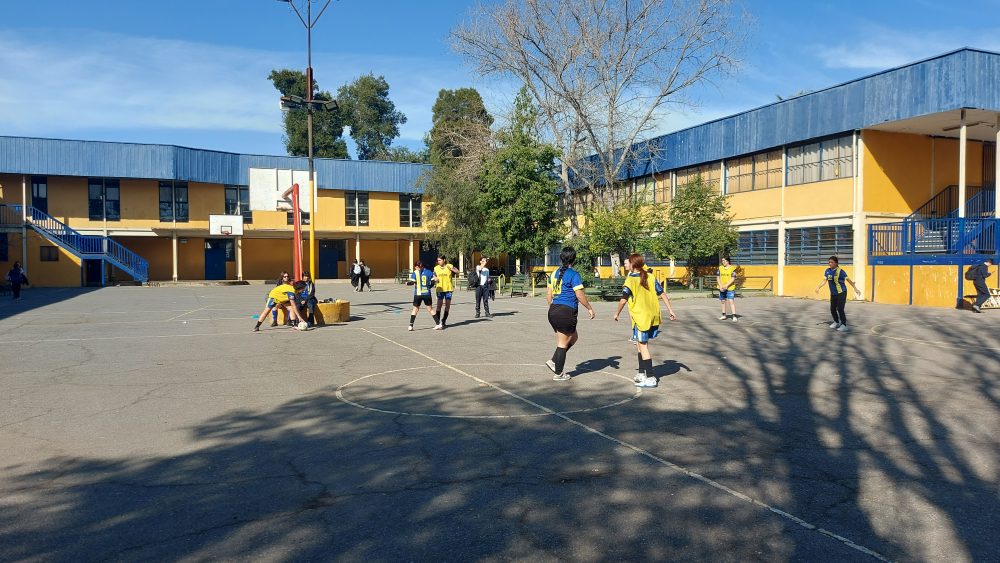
x: 551, y: 365
x: 647, y: 382
x: 561, y: 377
x: 439, y: 327
x: 410, y: 328
x: 723, y: 317
x: 639, y: 376
x: 834, y: 325
x: 734, y: 318
x: 842, y: 328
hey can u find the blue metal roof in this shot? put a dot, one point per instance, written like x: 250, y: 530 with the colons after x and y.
x: 965, y: 78
x: 58, y: 157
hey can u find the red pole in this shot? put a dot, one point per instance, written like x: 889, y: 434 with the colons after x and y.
x: 296, y: 231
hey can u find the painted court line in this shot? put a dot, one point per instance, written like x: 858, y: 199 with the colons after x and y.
x: 647, y: 454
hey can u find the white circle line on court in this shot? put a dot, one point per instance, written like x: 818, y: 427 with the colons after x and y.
x: 342, y: 398
x: 647, y: 454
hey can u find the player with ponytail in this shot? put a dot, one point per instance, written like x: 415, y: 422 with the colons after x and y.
x: 565, y: 294
x: 642, y: 297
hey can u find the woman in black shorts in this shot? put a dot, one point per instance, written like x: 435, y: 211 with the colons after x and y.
x: 564, y: 296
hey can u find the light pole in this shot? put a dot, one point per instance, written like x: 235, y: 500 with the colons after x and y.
x: 309, y: 22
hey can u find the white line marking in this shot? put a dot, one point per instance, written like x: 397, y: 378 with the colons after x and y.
x: 194, y: 334
x: 647, y: 454
x: 188, y: 313
x: 340, y: 395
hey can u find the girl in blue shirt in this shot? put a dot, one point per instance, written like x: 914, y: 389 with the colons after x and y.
x: 565, y: 295
x: 837, y: 279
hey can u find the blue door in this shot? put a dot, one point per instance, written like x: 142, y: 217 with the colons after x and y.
x: 331, y: 253
x: 215, y: 259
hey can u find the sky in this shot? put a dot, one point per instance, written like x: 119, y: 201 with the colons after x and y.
x: 194, y: 72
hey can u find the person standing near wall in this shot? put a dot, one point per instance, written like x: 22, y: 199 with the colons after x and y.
x: 482, y: 281
x: 977, y: 275
x: 366, y: 276
x: 356, y: 275
x: 727, y: 287
x: 837, y: 279
x: 17, y: 278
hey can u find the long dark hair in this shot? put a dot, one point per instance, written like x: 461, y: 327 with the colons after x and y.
x: 568, y: 258
x: 637, y: 262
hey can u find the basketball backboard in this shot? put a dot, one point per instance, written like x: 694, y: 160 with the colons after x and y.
x: 225, y: 225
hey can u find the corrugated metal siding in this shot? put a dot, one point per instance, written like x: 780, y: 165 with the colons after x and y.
x: 56, y: 157
x: 965, y: 78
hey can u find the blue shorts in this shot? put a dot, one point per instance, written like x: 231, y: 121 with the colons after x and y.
x: 727, y: 294
x: 644, y: 336
x: 272, y: 303
x: 444, y: 295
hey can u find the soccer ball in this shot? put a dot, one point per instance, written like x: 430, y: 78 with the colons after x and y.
x: 303, y: 325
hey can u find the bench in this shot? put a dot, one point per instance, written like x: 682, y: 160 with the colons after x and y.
x: 994, y: 301
x: 403, y: 276
x: 519, y: 284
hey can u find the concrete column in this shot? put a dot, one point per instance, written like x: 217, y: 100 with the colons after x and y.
x: 461, y: 261
x: 412, y: 260
x: 24, y: 223
x: 780, y: 290
x: 357, y: 247
x: 963, y: 137
x: 239, y: 259
x: 397, y: 257
x: 173, y: 247
x: 860, y: 220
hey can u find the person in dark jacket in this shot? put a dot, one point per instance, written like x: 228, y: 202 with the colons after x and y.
x: 17, y: 278
x: 978, y: 275
x: 306, y: 299
x: 481, y: 282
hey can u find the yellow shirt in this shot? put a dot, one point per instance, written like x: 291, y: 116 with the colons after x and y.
x: 726, y: 275
x: 444, y: 281
x: 643, y: 306
x: 280, y: 293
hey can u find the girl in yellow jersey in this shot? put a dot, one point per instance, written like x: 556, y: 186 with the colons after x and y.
x: 642, y: 293
x: 282, y: 297
x: 727, y: 287
x: 443, y: 278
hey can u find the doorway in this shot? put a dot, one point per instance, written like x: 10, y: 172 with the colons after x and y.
x: 331, y: 254
x: 93, y: 273
x: 216, y: 258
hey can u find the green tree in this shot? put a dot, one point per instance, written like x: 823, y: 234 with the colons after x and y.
x: 629, y: 226
x: 328, y: 126
x: 372, y: 116
x: 405, y: 154
x: 458, y: 143
x: 518, y: 188
x: 698, y: 224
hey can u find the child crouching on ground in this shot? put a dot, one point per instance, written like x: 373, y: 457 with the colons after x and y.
x: 282, y: 297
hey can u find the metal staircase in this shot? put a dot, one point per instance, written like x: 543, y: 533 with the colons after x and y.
x: 84, y: 247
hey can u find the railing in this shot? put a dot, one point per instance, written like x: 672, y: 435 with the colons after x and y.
x: 84, y: 246
x: 939, y: 206
x: 982, y: 205
x: 958, y: 236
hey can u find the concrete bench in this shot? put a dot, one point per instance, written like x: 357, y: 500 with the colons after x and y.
x: 326, y: 313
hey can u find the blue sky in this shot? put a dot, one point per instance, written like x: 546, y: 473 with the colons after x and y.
x: 194, y: 72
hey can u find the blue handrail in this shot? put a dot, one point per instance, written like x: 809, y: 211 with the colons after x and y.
x: 85, y: 246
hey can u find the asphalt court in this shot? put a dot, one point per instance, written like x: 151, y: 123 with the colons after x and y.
x: 150, y: 423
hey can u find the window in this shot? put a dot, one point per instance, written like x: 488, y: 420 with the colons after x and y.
x: 409, y: 210
x: 710, y: 175
x: 756, y: 247
x: 553, y: 255
x: 357, y: 209
x: 826, y: 160
x: 229, y: 245
x: 645, y: 189
x: 104, y: 197
x: 767, y: 167
x: 238, y: 202
x: 40, y: 193
x: 304, y: 217
x: 739, y: 175
x: 815, y: 244
x: 662, y: 193
x: 4, y: 250
x: 174, y: 201
x: 49, y: 253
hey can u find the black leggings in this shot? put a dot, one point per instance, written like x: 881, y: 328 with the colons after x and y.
x: 837, y: 304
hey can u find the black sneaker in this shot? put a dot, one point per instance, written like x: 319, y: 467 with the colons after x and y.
x: 274, y: 323
x: 477, y: 315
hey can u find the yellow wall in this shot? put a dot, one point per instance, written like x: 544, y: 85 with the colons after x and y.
x: 892, y: 285
x: 265, y: 259
x: 140, y: 205
x: 801, y: 281
x: 946, y: 163
x: 65, y: 272
x: 819, y: 198
x: 754, y: 205
x: 10, y: 188
x: 933, y: 286
x: 156, y: 251
x: 897, y: 171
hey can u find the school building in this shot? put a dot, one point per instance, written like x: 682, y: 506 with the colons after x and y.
x: 91, y: 213
x: 895, y: 173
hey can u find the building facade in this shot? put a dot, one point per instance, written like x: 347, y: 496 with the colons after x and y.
x: 895, y: 173
x: 90, y: 213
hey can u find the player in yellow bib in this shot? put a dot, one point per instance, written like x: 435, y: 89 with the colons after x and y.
x: 282, y: 297
x: 642, y: 294
x: 444, y: 279
x: 727, y: 287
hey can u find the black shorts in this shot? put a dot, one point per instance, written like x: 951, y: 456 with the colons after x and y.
x: 563, y: 318
x: 418, y: 299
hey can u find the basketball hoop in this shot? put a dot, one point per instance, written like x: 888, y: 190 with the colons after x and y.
x: 226, y: 230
